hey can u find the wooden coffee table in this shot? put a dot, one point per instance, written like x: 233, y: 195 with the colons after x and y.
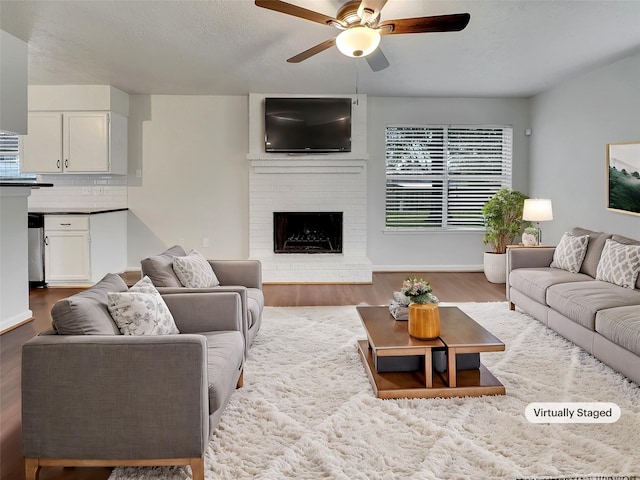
x: 459, y: 333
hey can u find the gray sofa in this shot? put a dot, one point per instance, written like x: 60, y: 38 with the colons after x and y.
x: 599, y: 316
x: 94, y: 397
x: 241, y: 276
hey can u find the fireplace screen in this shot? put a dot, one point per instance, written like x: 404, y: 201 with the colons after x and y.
x: 307, y: 232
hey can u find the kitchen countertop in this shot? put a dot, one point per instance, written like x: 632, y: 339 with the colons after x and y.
x: 74, y: 211
x: 19, y: 183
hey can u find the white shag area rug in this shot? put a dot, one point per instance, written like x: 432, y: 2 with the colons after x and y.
x: 307, y: 410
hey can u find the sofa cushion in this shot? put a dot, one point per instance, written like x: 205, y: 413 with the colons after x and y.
x: 159, y: 268
x: 86, y: 313
x: 619, y: 264
x: 581, y: 301
x: 533, y: 282
x: 621, y: 325
x: 594, y: 249
x: 194, y: 271
x: 225, y: 353
x: 628, y: 241
x: 141, y: 311
x: 570, y: 252
x: 255, y: 304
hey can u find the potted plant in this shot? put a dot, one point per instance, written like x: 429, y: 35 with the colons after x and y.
x: 424, y: 317
x: 503, y: 223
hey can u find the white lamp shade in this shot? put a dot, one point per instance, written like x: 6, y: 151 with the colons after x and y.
x: 537, y: 210
x: 358, y: 41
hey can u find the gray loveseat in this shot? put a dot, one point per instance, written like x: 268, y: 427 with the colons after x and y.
x: 94, y: 397
x: 599, y: 316
x: 241, y: 276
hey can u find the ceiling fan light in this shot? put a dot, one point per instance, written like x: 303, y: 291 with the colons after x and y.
x: 358, y: 41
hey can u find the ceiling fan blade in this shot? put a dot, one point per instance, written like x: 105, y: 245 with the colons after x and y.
x: 377, y: 61
x: 440, y: 23
x: 321, y: 47
x: 296, y: 11
x: 369, y: 10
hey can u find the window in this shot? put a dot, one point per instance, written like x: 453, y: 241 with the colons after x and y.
x: 10, y: 159
x: 440, y: 176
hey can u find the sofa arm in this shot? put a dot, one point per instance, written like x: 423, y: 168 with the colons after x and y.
x: 208, y: 311
x: 533, y: 257
x: 115, y: 397
x: 238, y: 272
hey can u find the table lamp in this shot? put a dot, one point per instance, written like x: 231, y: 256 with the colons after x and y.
x: 537, y: 210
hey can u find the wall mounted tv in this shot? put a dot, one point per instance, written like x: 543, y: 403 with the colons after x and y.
x: 307, y: 125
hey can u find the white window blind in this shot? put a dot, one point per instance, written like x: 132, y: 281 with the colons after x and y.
x: 9, y: 157
x: 441, y: 176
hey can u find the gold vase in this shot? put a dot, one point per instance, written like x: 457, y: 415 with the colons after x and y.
x: 424, y: 321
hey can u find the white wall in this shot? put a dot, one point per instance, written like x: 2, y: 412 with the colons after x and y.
x: 191, y: 153
x: 13, y: 84
x: 188, y: 175
x: 437, y: 250
x: 572, y: 124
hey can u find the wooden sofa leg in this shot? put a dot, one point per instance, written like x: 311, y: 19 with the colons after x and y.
x: 240, y: 380
x: 512, y: 306
x: 197, y: 468
x: 31, y: 468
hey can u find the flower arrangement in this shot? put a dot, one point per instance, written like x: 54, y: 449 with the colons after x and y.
x: 418, y: 291
x: 530, y: 236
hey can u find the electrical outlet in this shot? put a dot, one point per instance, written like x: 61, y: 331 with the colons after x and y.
x: 86, y: 190
x: 180, y: 240
x: 138, y: 173
x: 205, y: 242
x: 98, y: 190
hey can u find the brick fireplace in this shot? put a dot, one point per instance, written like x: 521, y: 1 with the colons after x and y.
x: 315, y: 183
x: 311, y: 186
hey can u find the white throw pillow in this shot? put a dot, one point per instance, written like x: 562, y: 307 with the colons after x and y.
x: 570, y: 252
x: 619, y: 264
x: 194, y: 271
x: 141, y: 311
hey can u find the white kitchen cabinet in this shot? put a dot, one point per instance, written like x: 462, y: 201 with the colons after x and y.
x: 75, y: 142
x: 81, y: 249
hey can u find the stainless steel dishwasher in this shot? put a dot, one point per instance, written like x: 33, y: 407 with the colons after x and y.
x: 36, y: 250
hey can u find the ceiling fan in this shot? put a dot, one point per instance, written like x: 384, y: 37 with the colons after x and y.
x: 361, y: 28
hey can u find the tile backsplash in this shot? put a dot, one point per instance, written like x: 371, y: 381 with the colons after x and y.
x: 71, y: 191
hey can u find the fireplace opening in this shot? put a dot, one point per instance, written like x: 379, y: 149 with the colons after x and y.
x: 307, y: 232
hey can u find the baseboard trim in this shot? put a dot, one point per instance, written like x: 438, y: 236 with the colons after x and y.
x: 427, y: 268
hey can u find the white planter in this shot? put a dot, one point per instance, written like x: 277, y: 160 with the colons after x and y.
x: 495, y: 267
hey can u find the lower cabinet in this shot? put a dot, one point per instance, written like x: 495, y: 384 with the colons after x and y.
x: 81, y: 249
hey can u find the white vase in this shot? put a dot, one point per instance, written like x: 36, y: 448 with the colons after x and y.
x: 529, y: 240
x: 495, y: 267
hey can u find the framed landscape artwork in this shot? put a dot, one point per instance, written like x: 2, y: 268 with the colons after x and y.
x: 623, y: 170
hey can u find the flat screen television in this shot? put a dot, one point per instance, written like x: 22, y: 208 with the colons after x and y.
x: 307, y: 125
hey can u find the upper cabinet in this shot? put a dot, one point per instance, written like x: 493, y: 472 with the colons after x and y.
x: 75, y: 142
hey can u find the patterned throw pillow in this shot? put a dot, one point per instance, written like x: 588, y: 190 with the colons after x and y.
x: 141, y: 311
x: 570, y: 252
x: 194, y: 271
x: 619, y: 264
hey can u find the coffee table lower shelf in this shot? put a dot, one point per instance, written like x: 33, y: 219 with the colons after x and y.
x: 470, y: 383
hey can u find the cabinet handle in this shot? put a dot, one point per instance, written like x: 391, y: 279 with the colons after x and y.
x: 66, y: 163
x: 46, y: 240
x: 58, y: 164
x: 65, y: 224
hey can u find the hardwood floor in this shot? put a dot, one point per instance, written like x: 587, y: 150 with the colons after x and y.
x: 448, y: 286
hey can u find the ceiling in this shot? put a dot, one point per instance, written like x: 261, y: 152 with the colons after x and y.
x: 511, y: 48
